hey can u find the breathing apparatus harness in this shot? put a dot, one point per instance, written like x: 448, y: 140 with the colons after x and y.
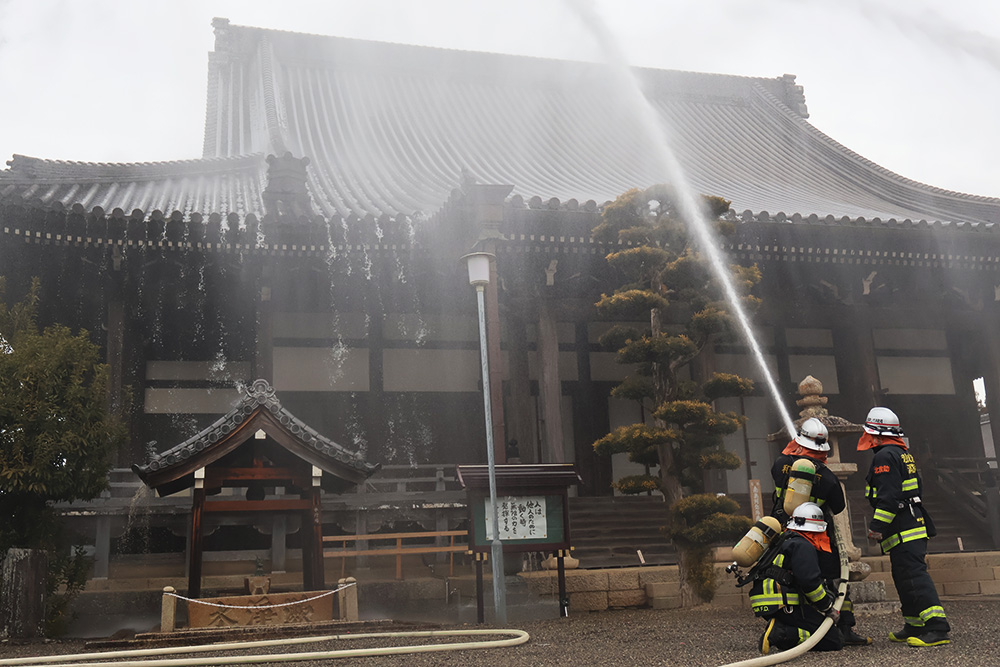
x: 764, y: 568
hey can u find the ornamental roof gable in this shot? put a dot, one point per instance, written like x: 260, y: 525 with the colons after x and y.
x: 258, y: 410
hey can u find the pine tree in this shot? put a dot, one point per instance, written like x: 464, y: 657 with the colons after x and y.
x: 669, y: 283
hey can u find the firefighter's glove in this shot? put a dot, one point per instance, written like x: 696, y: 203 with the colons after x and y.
x: 874, y: 535
x: 831, y: 611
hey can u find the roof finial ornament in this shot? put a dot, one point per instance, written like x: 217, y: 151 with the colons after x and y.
x: 260, y: 388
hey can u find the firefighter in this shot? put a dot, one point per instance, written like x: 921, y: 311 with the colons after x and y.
x: 902, y: 526
x: 811, y: 443
x: 793, y: 596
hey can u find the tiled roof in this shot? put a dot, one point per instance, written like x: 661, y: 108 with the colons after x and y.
x: 216, y: 185
x: 165, y: 467
x: 392, y: 129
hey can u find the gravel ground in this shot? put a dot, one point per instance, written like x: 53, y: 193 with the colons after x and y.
x: 696, y: 637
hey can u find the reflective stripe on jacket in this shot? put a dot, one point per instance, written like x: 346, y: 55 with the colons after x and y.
x: 893, y: 488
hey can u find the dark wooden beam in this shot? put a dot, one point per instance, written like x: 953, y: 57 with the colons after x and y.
x: 195, y: 555
x: 283, y: 505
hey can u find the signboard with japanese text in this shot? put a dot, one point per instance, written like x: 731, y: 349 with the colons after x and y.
x: 526, y: 522
x: 520, y: 518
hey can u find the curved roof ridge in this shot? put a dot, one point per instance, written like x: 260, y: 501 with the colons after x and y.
x: 453, y: 51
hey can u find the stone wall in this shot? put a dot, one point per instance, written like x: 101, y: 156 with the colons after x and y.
x: 658, y: 587
x: 972, y: 573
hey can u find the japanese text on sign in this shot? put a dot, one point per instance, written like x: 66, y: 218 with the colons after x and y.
x: 520, y: 518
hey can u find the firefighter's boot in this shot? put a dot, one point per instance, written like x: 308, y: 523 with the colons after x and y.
x: 852, y: 638
x: 932, y: 638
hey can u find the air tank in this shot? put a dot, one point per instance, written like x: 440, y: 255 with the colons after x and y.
x: 752, y: 545
x: 800, y: 484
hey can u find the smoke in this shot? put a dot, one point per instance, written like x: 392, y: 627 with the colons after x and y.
x: 922, y: 23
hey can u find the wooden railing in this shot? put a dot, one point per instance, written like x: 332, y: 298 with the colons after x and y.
x: 398, y: 549
x: 974, y: 485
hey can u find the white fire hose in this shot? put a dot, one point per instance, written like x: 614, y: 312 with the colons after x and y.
x: 814, y: 638
x: 514, y: 637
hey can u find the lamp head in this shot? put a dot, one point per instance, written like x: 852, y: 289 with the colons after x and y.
x: 478, y: 264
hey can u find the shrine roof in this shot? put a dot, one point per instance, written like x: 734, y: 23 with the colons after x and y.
x: 258, y: 408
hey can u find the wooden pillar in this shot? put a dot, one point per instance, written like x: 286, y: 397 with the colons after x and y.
x: 787, y: 385
x: 550, y: 386
x: 591, y: 421
x: 316, y: 541
x: 520, y: 421
x: 857, y: 366
x: 496, y: 365
x: 195, y: 553
x: 305, y: 539
x: 263, y: 363
x: 279, y: 531
x: 116, y: 363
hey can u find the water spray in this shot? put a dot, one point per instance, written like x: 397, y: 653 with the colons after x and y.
x: 627, y: 85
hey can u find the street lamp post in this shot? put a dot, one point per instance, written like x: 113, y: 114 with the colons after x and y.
x: 479, y: 276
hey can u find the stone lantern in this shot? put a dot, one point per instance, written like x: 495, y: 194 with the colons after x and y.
x: 813, y: 404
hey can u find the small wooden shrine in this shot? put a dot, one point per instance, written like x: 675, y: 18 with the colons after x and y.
x: 256, y: 446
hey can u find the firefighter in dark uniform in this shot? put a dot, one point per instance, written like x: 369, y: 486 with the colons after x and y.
x: 793, y: 596
x: 901, y: 526
x: 811, y: 443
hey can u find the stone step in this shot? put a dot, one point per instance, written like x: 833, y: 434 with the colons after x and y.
x: 607, y: 531
x: 951, y: 522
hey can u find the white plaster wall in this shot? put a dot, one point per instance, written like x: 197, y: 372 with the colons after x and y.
x: 909, y: 339
x: 213, y: 371
x: 320, y: 325
x: 320, y: 369
x: 190, y: 401
x: 916, y: 375
x: 430, y: 370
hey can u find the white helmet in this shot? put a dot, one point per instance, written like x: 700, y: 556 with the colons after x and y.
x: 882, y: 421
x: 808, y: 517
x: 813, y: 435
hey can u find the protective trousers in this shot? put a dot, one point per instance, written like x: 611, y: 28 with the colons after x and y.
x: 791, y: 629
x: 830, y: 564
x: 918, y: 598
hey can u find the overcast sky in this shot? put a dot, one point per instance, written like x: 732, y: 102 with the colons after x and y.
x: 910, y: 84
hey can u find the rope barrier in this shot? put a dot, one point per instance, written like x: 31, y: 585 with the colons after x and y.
x: 260, y: 606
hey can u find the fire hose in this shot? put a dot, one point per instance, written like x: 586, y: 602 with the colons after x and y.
x: 814, y: 638
x: 514, y: 637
